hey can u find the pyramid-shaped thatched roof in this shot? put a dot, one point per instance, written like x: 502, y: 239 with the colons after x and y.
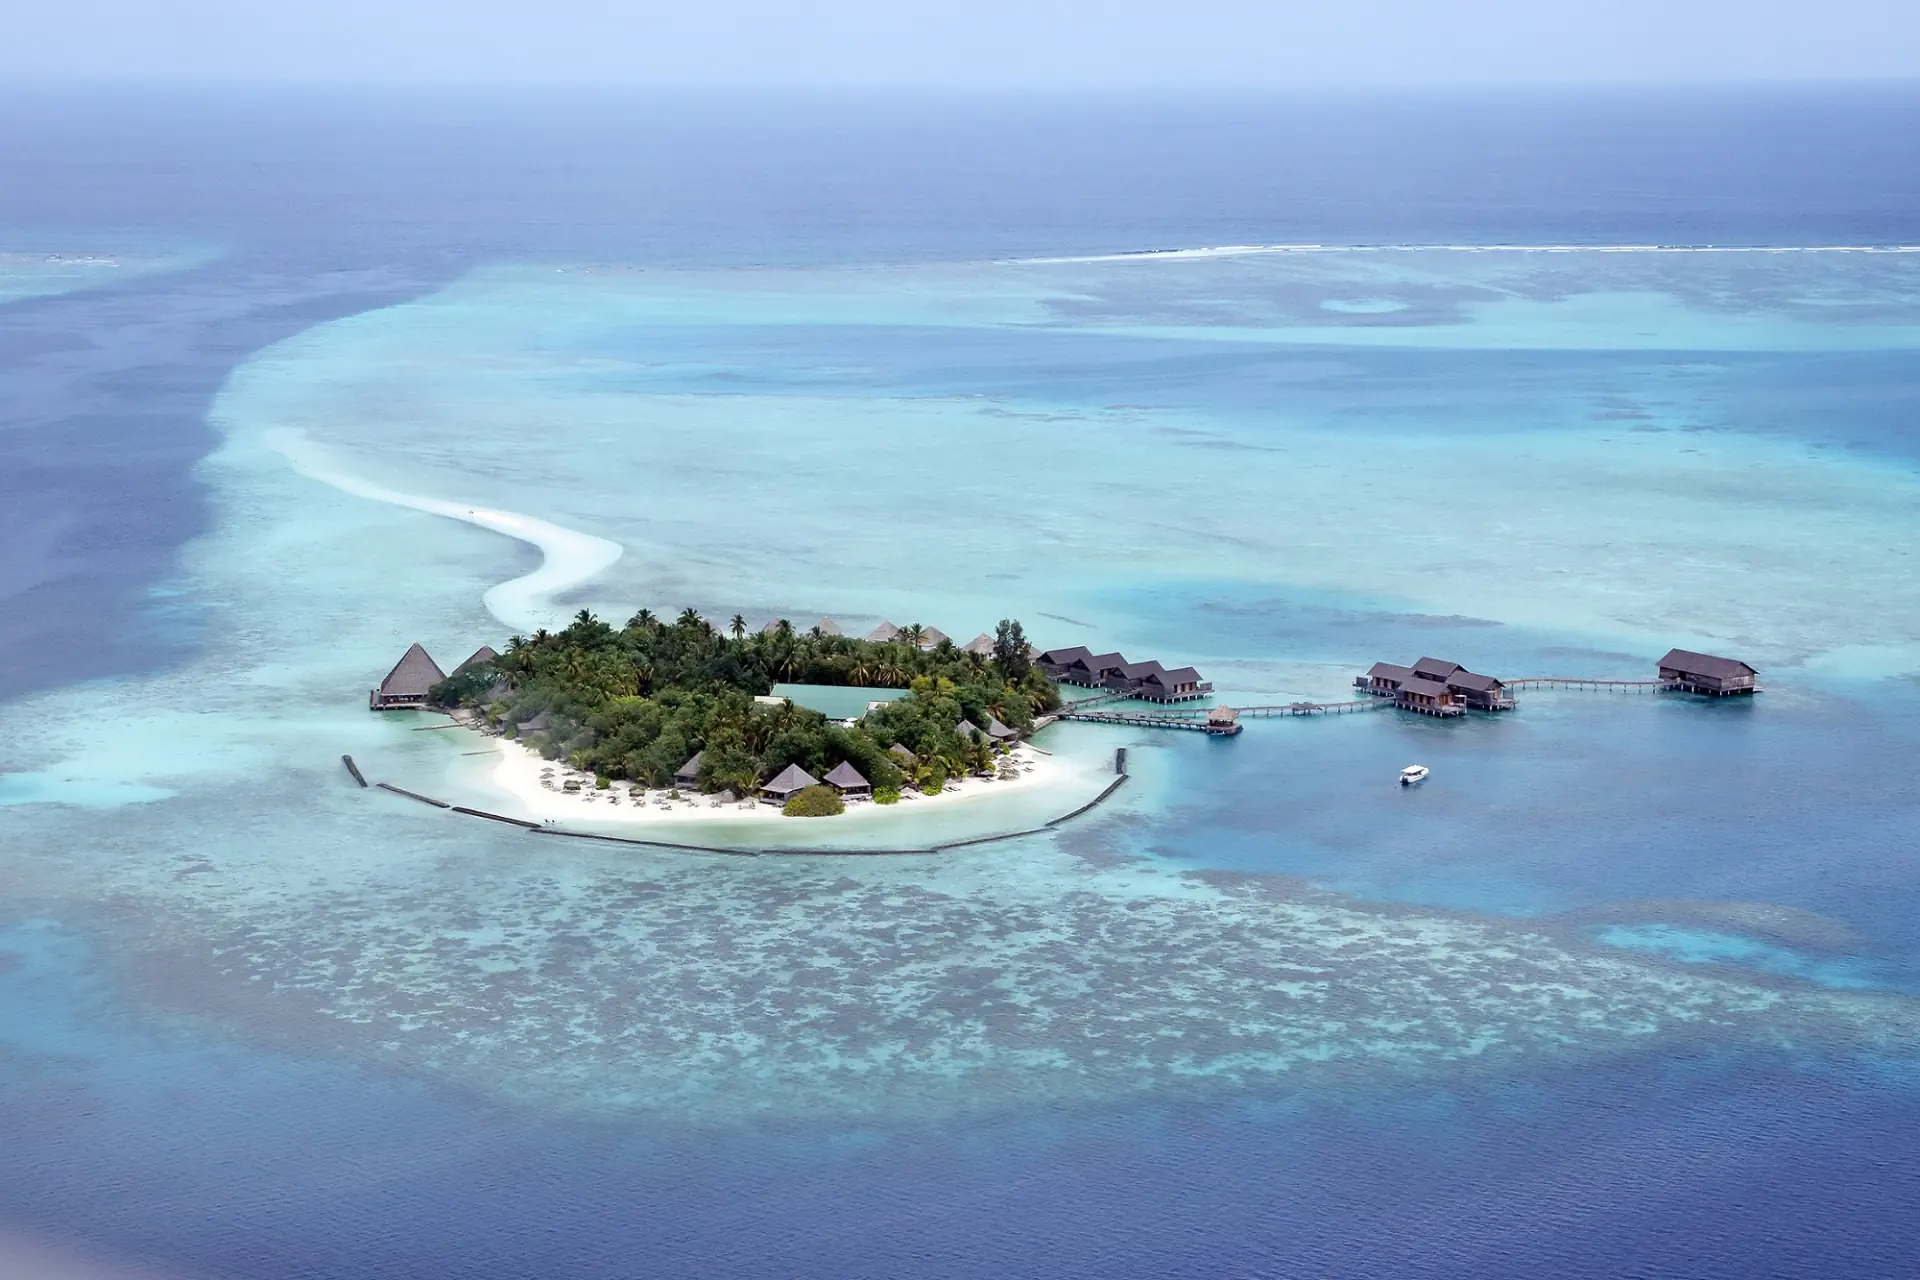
x: 981, y: 644
x: 884, y: 633
x: 932, y: 636
x: 691, y: 769
x: 827, y: 627
x: 791, y: 779
x: 484, y: 654
x: 412, y: 676
x: 901, y: 750
x: 966, y: 729
x: 844, y: 776
x: 996, y: 730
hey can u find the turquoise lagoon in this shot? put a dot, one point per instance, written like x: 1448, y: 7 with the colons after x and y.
x: 1280, y: 466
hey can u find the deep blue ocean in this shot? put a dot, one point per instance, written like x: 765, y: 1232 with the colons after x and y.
x: 208, y: 1156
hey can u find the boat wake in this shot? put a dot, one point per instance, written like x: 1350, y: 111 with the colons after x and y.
x: 568, y: 558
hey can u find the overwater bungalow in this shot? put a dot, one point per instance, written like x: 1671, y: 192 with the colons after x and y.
x: 846, y: 779
x: 791, y: 781
x: 885, y: 633
x: 1057, y: 662
x: 1430, y: 697
x: 407, y: 684
x: 1702, y: 673
x: 1152, y: 682
x: 687, y: 776
x: 1465, y: 689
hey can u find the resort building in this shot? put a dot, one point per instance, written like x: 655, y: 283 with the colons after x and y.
x: 903, y: 754
x: 1057, y: 662
x: 981, y: 644
x: 1703, y: 673
x: 885, y: 633
x: 846, y: 779
x: 826, y: 627
x: 481, y: 656
x: 407, y: 684
x: 1112, y: 671
x: 687, y: 776
x: 930, y: 637
x: 1463, y: 688
x: 791, y: 781
x: 1429, y: 697
x: 999, y: 734
x: 1223, y: 720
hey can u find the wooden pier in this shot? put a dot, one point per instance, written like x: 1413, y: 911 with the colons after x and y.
x: 1192, y: 721
x: 1585, y: 682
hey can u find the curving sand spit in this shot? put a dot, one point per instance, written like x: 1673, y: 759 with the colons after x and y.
x: 568, y: 558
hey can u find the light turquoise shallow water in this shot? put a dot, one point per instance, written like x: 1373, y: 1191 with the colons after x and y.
x: 1276, y: 466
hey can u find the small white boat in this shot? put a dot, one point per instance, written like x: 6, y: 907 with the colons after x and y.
x: 1414, y: 773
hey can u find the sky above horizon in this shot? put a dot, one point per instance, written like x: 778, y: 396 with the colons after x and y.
x: 1273, y: 44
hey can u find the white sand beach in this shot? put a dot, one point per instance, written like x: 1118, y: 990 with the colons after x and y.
x: 538, y: 785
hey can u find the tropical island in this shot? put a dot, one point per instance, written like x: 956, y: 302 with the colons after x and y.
x: 655, y: 703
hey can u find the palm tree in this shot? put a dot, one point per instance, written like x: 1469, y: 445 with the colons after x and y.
x: 784, y: 627
x: 689, y: 617
x: 738, y: 626
x: 644, y: 618
x: 914, y: 633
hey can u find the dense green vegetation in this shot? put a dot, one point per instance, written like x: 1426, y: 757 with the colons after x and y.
x: 638, y: 701
x: 814, y: 802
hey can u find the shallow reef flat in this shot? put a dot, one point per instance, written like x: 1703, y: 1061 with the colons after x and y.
x: 198, y: 823
x: 837, y: 991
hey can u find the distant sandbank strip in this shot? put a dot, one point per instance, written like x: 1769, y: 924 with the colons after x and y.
x: 1249, y: 250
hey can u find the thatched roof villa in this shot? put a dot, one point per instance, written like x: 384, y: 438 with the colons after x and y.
x: 790, y: 782
x: 480, y: 657
x: 407, y: 684
x: 846, y: 779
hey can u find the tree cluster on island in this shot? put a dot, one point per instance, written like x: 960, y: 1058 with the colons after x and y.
x: 638, y: 701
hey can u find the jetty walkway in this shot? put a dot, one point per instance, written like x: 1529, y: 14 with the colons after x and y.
x: 1585, y: 682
